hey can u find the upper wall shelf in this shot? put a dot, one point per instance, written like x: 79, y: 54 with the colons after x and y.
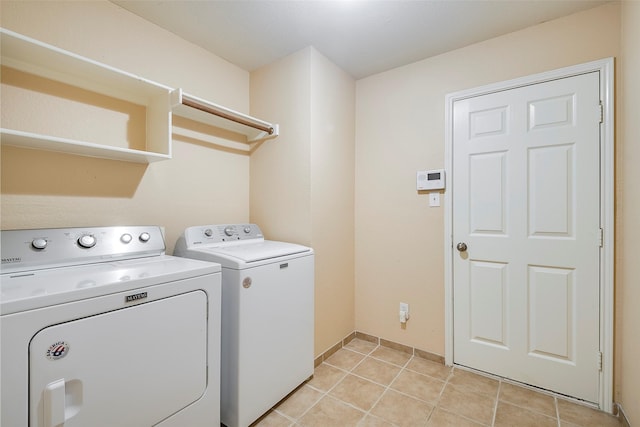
x: 160, y: 102
x: 194, y: 108
x: 82, y: 148
x: 34, y: 57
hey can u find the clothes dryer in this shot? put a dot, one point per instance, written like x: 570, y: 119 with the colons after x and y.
x: 267, y: 315
x: 100, y: 328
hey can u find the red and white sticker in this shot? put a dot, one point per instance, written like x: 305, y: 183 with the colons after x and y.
x: 58, y: 350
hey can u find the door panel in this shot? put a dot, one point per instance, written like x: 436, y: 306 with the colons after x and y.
x: 526, y: 202
x: 551, y: 191
x: 551, y: 300
x: 487, y: 199
x: 130, y: 367
x: 488, y: 303
x: 551, y: 112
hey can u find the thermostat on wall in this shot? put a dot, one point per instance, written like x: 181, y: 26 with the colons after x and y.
x: 430, y: 180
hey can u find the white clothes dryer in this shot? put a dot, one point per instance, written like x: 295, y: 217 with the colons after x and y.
x: 100, y: 328
x: 267, y: 315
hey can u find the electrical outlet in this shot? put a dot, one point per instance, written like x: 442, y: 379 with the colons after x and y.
x: 404, y: 313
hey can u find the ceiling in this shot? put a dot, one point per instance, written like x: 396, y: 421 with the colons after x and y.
x: 363, y: 37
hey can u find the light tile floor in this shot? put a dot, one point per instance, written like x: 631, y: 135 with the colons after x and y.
x: 366, y: 385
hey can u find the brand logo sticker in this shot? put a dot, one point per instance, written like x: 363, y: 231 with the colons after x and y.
x: 135, y: 297
x: 58, y: 350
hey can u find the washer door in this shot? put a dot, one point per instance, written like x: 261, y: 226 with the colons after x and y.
x: 130, y: 367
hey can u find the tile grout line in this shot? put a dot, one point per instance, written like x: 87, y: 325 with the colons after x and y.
x: 323, y: 392
x: 388, y: 387
x: 537, y: 411
x: 348, y: 372
x: 502, y: 382
x: 475, y: 420
x: 437, y: 405
x: 297, y: 420
x: 495, y: 405
x: 403, y: 368
x: 437, y: 402
x: 373, y: 405
x: 385, y: 388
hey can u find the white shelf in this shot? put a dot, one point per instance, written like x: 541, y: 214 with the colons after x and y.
x: 63, y: 145
x: 191, y: 107
x: 161, y: 102
x: 34, y: 57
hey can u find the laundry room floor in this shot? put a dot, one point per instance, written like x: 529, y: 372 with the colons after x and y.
x: 364, y: 384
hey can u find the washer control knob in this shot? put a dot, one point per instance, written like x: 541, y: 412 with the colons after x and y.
x: 228, y: 230
x: 208, y: 232
x: 144, y: 237
x: 39, y: 243
x: 87, y: 241
x: 126, y: 238
x: 247, y: 229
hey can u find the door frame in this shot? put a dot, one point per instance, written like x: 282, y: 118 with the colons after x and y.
x: 607, y: 204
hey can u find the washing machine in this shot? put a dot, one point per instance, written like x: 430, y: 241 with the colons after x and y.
x: 100, y: 327
x: 267, y: 315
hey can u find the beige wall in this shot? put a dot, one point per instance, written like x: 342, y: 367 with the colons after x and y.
x: 627, y: 337
x: 400, y: 129
x: 281, y: 168
x: 333, y: 199
x: 302, y: 184
x: 70, y: 190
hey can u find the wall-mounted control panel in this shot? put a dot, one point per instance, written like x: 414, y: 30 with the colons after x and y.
x: 430, y: 180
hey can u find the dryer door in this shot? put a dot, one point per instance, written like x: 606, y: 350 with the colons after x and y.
x: 130, y: 367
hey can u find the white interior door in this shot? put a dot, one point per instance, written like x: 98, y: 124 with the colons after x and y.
x: 526, y: 203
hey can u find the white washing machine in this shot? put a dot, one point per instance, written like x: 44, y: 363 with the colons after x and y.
x: 100, y: 328
x: 267, y: 315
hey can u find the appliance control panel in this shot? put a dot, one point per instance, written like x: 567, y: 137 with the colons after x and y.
x: 221, y: 233
x: 24, y: 250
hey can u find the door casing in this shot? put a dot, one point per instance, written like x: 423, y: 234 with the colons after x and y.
x: 607, y: 199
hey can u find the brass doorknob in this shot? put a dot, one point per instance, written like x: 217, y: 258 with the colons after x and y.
x: 462, y: 247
